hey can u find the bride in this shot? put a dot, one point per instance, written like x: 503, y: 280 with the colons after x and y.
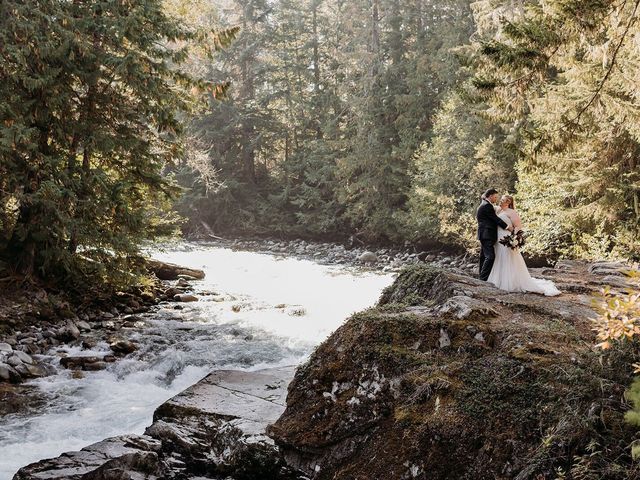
x: 510, y: 271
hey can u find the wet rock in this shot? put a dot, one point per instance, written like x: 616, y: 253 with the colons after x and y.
x: 222, y: 420
x: 129, y: 457
x: 31, y: 371
x: 68, y: 332
x: 188, y: 278
x: 9, y: 374
x: 172, y: 292
x: 214, y: 429
x: 92, y: 362
x: 183, y: 283
x: 14, y: 361
x: 185, y: 297
x: 24, y: 358
x: 123, y: 346
x: 94, y: 366
x: 83, y: 326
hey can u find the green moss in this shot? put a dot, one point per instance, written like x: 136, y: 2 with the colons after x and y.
x: 412, y: 286
x: 499, y: 389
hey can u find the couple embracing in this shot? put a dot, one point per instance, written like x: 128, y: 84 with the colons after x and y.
x: 501, y: 264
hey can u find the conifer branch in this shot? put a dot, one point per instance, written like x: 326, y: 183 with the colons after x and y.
x: 632, y: 20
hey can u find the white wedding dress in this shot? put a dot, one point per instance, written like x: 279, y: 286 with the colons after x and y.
x: 510, y: 271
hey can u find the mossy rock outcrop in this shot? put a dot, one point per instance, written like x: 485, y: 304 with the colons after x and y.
x: 450, y: 378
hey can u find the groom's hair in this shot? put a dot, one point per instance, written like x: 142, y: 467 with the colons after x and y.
x: 489, y: 192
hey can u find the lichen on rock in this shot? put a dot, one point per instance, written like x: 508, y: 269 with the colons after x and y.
x: 450, y: 378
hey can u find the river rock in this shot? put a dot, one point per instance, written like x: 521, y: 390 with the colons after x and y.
x: 185, y: 297
x: 6, y: 348
x: 123, y: 346
x: 24, y: 358
x: 171, y: 271
x: 92, y: 362
x: 128, y: 457
x: 83, y: 325
x: 172, y: 292
x: 213, y: 430
x: 14, y: 361
x: 69, y: 332
x: 9, y: 374
x: 368, y: 257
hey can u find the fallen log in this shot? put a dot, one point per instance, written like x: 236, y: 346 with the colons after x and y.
x: 171, y: 271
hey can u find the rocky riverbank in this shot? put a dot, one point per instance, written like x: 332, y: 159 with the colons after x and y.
x: 446, y: 378
x: 34, y: 319
x: 213, y: 429
x: 388, y: 259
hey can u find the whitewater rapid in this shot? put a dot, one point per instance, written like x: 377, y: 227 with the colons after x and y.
x: 254, y: 311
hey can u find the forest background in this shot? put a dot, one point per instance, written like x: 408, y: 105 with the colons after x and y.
x: 379, y: 121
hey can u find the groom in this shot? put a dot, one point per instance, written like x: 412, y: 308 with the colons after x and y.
x: 488, y: 222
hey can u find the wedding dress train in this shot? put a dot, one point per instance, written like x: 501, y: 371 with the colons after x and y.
x: 510, y: 271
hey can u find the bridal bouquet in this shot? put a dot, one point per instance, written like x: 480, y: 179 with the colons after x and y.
x: 514, y: 240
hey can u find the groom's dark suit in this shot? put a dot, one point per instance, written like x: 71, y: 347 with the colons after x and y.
x: 488, y: 223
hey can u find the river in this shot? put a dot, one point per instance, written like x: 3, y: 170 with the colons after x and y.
x: 254, y: 311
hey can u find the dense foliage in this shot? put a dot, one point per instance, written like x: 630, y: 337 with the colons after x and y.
x: 90, y: 99
x: 564, y: 75
x: 328, y: 102
x: 387, y: 118
x: 381, y: 119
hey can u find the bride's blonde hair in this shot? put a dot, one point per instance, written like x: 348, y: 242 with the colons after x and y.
x: 509, y: 198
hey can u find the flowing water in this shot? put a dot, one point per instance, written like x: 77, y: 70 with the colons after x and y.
x: 255, y: 311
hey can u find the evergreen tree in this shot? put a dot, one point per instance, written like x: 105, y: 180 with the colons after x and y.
x: 468, y: 153
x: 90, y: 97
x: 567, y: 73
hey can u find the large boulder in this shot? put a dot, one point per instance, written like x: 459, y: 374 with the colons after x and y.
x: 214, y: 429
x: 450, y: 378
x: 128, y: 457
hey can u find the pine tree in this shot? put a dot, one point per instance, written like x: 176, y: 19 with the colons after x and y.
x: 467, y: 154
x: 567, y: 73
x: 91, y: 95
